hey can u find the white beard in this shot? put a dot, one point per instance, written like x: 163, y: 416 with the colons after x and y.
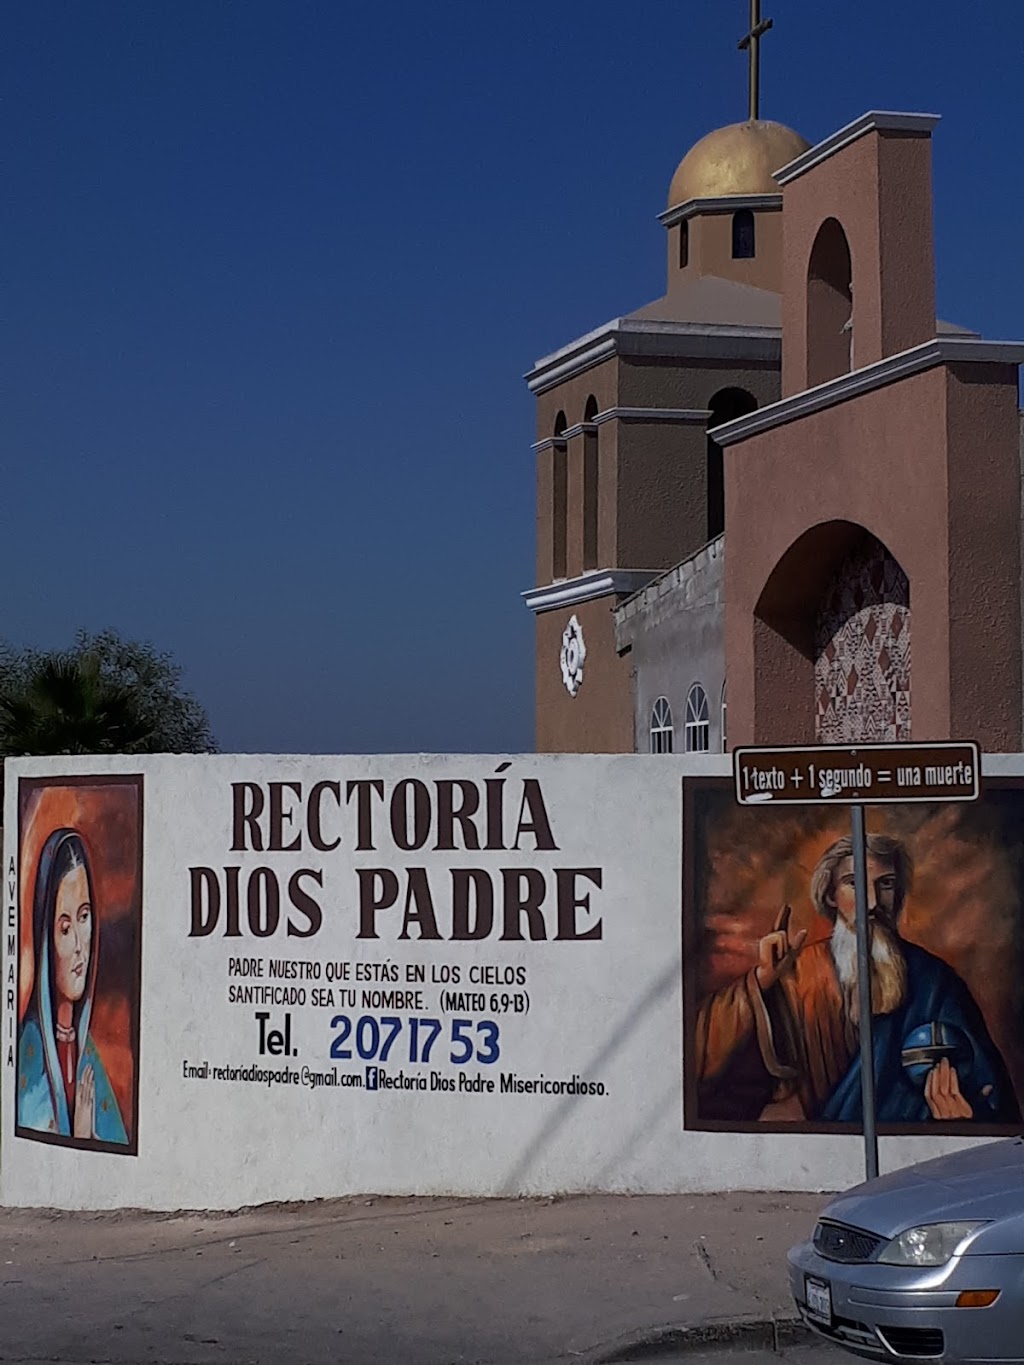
x: 888, y: 968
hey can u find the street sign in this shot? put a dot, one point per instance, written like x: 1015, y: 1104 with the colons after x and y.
x: 873, y: 774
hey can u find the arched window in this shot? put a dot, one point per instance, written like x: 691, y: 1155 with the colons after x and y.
x: 725, y: 728
x: 684, y: 244
x: 559, y: 500
x: 744, y: 245
x: 662, y: 730
x: 725, y: 406
x: 830, y: 339
x: 697, y: 728
x: 590, y: 486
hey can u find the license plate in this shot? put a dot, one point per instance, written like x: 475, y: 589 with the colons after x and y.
x: 819, y: 1300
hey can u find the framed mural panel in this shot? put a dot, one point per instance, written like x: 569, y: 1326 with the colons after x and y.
x: 79, y: 961
x: 771, y: 1042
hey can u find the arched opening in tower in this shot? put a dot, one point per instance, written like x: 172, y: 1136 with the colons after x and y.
x: 832, y: 642
x: 830, y: 338
x: 725, y: 406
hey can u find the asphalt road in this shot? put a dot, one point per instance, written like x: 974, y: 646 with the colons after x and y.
x: 813, y: 1355
x: 806, y: 1355
x: 371, y: 1281
x: 809, y: 1355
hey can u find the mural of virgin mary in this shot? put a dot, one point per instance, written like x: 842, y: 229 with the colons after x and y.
x: 63, y: 1087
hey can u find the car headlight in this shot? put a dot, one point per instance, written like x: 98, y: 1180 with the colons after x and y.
x: 931, y: 1244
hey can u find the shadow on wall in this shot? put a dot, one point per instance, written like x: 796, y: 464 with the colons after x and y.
x: 618, y: 1035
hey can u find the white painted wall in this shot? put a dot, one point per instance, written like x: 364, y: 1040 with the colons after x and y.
x: 609, y: 1011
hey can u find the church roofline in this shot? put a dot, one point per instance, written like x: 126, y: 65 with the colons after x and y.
x: 874, y: 121
x: 948, y: 350
x: 569, y: 592
x: 667, y: 582
x: 726, y: 203
x: 635, y: 336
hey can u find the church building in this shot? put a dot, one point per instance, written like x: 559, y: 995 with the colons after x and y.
x: 782, y: 503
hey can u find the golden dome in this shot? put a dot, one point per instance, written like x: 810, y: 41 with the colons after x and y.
x: 737, y: 159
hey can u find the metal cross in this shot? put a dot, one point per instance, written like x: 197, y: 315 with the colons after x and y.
x: 751, y: 44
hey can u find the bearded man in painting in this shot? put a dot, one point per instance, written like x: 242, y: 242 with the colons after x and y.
x: 783, y: 1041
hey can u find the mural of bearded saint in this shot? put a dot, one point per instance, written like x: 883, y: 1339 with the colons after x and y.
x: 788, y: 1030
x: 62, y: 1084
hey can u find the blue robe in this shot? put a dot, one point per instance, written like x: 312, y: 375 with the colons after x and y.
x: 935, y: 995
x: 42, y: 1103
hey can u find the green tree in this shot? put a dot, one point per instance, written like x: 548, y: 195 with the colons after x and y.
x: 104, y: 695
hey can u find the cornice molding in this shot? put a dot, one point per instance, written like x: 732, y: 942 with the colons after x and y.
x: 941, y: 351
x: 569, y: 592
x: 646, y: 337
x: 694, y: 416
x: 875, y: 121
x: 727, y: 203
x: 552, y: 371
x: 697, y: 416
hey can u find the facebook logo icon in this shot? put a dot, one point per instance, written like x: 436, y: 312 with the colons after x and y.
x: 371, y: 1078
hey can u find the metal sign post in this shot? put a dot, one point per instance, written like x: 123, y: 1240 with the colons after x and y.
x: 867, y: 1048
x: 881, y: 774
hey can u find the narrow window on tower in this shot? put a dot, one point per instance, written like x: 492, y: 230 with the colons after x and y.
x: 743, y: 241
x: 590, y: 484
x: 559, y: 500
x: 684, y: 244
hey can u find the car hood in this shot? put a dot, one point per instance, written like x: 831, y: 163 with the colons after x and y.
x: 981, y: 1183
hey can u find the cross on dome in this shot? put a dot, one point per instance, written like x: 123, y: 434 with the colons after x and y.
x: 751, y: 44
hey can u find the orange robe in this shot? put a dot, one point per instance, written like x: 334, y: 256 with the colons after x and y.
x: 793, y: 1041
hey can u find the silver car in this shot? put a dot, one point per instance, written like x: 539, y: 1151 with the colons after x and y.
x: 924, y: 1264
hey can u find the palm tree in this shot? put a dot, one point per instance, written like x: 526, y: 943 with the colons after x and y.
x: 62, y: 704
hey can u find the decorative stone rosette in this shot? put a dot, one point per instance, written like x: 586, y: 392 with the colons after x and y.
x: 574, y: 652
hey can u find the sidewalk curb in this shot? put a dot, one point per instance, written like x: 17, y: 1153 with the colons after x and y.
x: 766, y: 1334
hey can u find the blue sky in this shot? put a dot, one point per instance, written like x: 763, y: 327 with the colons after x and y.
x: 273, y: 272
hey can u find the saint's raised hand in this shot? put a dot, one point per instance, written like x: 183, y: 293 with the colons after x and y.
x: 778, y: 950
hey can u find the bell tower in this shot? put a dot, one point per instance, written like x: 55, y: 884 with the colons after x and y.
x: 629, y: 481
x: 724, y: 208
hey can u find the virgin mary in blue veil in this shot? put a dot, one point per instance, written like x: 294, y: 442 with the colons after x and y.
x: 63, y: 1087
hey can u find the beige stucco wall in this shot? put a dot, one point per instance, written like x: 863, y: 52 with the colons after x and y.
x: 599, y: 719
x: 879, y: 189
x: 710, y: 250
x: 930, y: 466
